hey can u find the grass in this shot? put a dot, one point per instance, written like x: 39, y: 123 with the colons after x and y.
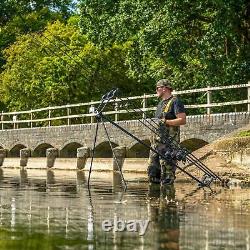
x: 244, y: 133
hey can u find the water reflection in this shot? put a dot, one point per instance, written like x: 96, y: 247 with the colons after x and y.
x: 1, y: 174
x: 90, y: 222
x: 56, y: 206
x: 23, y: 176
x: 80, y: 177
x: 164, y: 214
x: 117, y: 182
x: 50, y: 177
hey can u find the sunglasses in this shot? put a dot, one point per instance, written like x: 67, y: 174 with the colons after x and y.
x: 160, y: 87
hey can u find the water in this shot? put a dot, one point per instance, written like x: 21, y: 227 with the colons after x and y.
x: 42, y: 209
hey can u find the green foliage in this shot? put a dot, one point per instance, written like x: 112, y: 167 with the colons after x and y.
x: 57, y: 67
x: 195, y: 43
x: 244, y: 133
x: 18, y: 17
x: 51, y: 57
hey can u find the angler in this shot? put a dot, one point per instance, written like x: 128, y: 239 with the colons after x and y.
x: 171, y: 113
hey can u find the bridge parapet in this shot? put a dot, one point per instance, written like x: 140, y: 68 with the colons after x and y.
x: 204, y: 127
x: 214, y: 126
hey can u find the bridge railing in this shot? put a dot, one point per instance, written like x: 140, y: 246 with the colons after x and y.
x: 52, y: 116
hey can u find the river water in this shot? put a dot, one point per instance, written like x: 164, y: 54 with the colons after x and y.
x: 46, y: 209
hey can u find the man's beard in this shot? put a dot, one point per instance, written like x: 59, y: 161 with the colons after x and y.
x: 160, y: 96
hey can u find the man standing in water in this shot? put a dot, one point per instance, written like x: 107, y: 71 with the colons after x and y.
x: 171, y: 113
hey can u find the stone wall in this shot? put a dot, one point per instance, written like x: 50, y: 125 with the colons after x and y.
x: 204, y: 127
x: 235, y: 149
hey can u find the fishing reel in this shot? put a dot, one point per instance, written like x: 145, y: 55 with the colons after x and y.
x: 175, y: 154
x: 206, y: 180
x: 109, y: 95
x: 168, y: 155
x: 181, y: 155
x: 104, y: 101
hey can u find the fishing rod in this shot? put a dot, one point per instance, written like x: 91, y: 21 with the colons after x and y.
x: 175, y: 149
x: 170, y: 139
x: 176, y: 153
x: 187, y: 155
x: 100, y: 116
x: 184, y: 153
x: 147, y: 146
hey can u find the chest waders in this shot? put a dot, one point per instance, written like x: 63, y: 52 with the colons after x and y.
x: 159, y: 169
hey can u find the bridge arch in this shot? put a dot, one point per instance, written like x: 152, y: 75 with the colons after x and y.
x: 103, y: 150
x: 70, y: 150
x: 40, y: 150
x: 137, y: 150
x: 15, y: 151
x: 193, y: 143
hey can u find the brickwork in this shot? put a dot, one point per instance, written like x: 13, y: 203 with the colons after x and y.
x: 204, y: 127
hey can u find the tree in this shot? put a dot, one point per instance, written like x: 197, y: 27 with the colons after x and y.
x: 195, y: 43
x: 59, y: 66
x: 21, y: 17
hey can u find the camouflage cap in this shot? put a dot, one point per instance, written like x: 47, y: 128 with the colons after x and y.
x: 164, y: 82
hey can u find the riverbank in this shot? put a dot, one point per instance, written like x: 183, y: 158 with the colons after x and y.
x: 229, y: 156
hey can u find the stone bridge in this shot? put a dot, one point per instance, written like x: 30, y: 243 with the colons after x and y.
x: 199, y: 130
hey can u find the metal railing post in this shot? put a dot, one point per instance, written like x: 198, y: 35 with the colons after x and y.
x: 116, y: 109
x: 68, y: 114
x: 31, y: 118
x: 14, y: 119
x: 209, y: 99
x: 2, y: 120
x: 248, y: 98
x: 144, y: 105
x: 49, y: 117
x: 92, y: 108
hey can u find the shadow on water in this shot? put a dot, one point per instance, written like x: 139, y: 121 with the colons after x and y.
x: 52, y: 209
